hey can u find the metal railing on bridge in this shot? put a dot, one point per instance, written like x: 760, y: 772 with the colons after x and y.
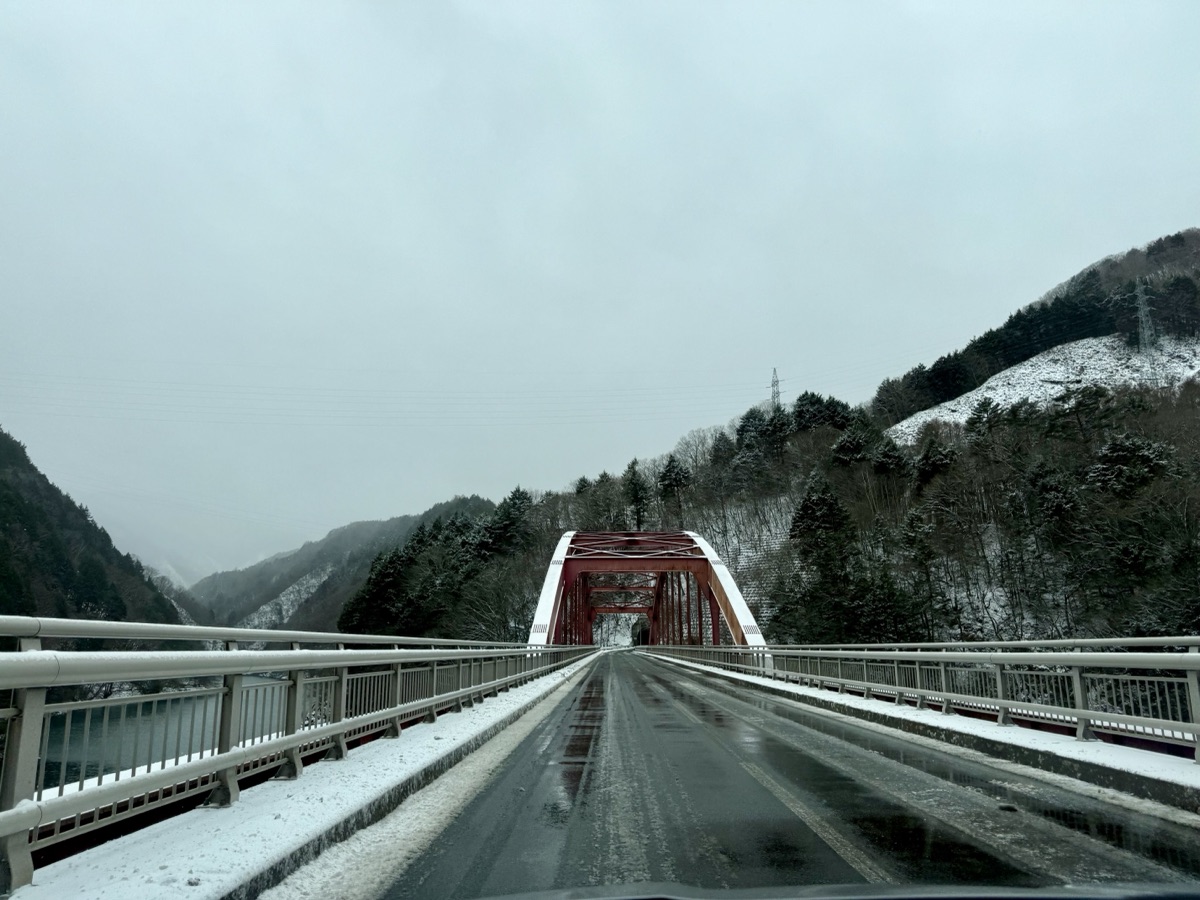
x: 1135, y: 689
x: 92, y: 738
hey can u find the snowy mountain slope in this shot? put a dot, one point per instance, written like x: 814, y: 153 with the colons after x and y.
x: 747, y: 536
x: 306, y: 588
x: 275, y: 613
x: 1107, y: 362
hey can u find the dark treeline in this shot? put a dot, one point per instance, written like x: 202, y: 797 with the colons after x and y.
x: 1080, y: 519
x: 466, y: 576
x: 56, y: 561
x: 1100, y: 301
x: 342, y: 558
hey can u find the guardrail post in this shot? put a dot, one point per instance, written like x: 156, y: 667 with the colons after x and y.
x: 896, y: 676
x: 1083, y: 729
x: 495, y: 663
x: 1193, y: 682
x: 341, y: 687
x: 431, y: 716
x: 943, y: 677
x: 394, y: 729
x: 229, y: 736
x: 1003, y: 714
x: 293, y: 721
x: 458, y: 700
x: 478, y: 682
x: 19, y: 782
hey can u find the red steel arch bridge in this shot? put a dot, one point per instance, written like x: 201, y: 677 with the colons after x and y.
x: 674, y: 578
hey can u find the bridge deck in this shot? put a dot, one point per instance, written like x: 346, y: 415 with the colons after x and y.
x: 646, y: 773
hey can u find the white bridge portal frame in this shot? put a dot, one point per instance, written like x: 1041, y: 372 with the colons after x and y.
x: 674, y: 578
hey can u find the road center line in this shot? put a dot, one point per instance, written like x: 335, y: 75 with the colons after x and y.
x: 855, y: 857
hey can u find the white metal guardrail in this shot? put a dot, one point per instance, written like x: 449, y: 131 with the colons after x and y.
x: 79, y: 756
x: 30, y: 632
x: 1156, y: 643
x: 1141, y: 693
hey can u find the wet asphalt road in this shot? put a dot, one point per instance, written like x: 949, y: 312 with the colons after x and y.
x: 646, y: 772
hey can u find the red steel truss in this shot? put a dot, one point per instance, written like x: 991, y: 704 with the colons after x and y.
x: 673, y: 578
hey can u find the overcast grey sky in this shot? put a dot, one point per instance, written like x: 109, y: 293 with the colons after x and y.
x: 269, y: 268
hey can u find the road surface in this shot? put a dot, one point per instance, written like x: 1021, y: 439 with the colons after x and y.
x: 649, y: 773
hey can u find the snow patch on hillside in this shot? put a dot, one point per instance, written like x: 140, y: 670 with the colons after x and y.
x: 184, y: 616
x: 275, y: 612
x: 1107, y: 362
x: 747, y: 537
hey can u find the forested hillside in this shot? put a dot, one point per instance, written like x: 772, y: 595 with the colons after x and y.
x: 1073, y: 518
x: 307, y: 588
x: 465, y: 576
x: 56, y: 561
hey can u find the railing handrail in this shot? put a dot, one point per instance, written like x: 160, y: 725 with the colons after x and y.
x: 1176, y: 641
x: 40, y: 627
x: 57, y: 668
x: 1185, y: 661
x: 1091, y: 689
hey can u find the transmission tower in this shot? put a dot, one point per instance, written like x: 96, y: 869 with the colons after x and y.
x: 774, y: 389
x: 1147, y: 339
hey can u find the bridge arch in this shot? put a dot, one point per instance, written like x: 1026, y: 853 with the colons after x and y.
x: 674, y: 578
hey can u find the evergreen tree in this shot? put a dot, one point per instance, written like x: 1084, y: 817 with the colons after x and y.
x: 751, y: 429
x: 675, y: 476
x: 809, y: 411
x: 672, y: 481
x: 723, y: 451
x: 510, y: 528
x: 637, y: 493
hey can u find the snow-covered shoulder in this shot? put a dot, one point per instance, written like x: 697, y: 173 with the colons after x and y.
x: 207, y: 854
x: 1108, y: 362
